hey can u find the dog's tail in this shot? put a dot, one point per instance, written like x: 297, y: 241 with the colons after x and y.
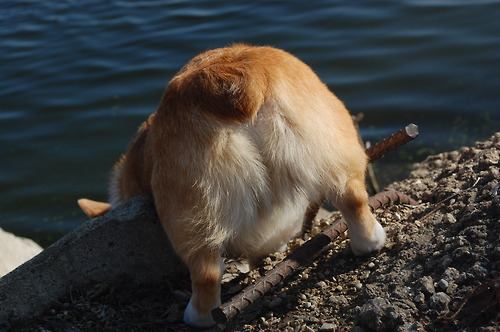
x: 226, y: 85
x: 92, y: 208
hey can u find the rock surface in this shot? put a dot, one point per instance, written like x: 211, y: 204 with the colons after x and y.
x: 127, y: 243
x: 439, y: 270
x: 14, y: 251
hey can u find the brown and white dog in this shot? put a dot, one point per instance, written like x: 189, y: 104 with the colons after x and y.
x: 243, y: 139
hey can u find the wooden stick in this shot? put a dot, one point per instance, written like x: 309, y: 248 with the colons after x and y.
x: 303, y: 256
x: 307, y: 252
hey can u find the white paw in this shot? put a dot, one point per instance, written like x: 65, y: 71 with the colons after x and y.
x: 361, y: 245
x: 194, y: 318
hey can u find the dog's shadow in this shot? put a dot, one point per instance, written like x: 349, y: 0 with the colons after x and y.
x: 291, y: 290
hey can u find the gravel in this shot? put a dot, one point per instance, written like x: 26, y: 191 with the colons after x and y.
x: 439, y: 270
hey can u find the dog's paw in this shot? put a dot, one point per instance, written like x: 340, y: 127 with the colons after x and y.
x: 194, y: 318
x: 366, y: 245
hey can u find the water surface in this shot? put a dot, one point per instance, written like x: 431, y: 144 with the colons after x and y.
x: 78, y: 77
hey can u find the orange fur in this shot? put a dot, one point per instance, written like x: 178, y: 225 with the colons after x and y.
x: 243, y: 139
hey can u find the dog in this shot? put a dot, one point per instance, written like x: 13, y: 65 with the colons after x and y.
x: 244, y: 138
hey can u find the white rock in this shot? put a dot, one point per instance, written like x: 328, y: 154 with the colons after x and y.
x: 14, y: 251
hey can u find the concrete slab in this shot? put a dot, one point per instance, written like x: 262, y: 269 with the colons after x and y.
x: 127, y: 241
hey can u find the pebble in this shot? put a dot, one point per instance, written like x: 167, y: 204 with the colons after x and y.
x: 439, y: 301
x: 276, y: 302
x: 442, y: 284
x: 283, y: 295
x: 263, y: 322
x: 478, y: 270
x: 357, y: 329
x: 425, y: 285
x: 371, y: 265
x: 419, y: 298
x: 449, y: 218
x: 338, y: 299
x: 494, y: 189
x: 379, y: 314
x: 446, y: 260
x: 327, y: 327
x: 357, y: 285
x: 496, y: 253
x: 321, y: 284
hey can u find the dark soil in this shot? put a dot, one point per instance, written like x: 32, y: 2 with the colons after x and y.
x: 438, y: 272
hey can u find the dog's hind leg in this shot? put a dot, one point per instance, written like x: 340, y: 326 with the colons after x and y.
x: 366, y: 234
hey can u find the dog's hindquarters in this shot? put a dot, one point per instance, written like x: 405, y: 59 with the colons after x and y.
x: 244, y: 138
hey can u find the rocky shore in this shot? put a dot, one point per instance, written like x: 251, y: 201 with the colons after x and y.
x: 438, y: 272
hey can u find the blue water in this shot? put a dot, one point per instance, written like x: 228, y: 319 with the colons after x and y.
x: 78, y: 77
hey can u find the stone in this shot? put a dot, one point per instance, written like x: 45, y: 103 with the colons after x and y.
x: 276, y: 302
x: 449, y: 218
x: 14, y: 251
x: 126, y: 242
x: 439, y: 301
x: 379, y: 314
x: 357, y: 285
x: 425, y: 285
x: 450, y: 274
x: 321, y: 284
x: 419, y: 299
x: 338, y: 299
x: 327, y: 327
x: 442, y: 284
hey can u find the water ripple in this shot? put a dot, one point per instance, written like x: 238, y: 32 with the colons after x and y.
x: 77, y: 77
